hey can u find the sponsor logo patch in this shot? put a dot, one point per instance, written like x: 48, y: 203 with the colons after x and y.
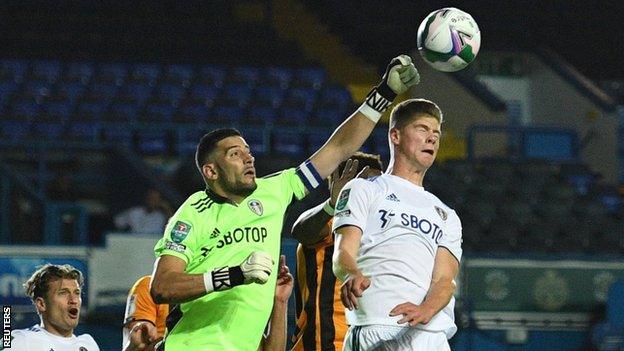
x: 255, y: 206
x: 345, y: 213
x: 180, y: 231
x: 170, y: 245
x: 441, y: 213
x: 343, y: 199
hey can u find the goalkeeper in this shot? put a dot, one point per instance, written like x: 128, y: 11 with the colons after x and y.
x: 217, y: 257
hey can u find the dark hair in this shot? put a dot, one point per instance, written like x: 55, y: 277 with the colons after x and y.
x: 404, y: 112
x: 38, y: 283
x: 208, y: 142
x: 364, y: 159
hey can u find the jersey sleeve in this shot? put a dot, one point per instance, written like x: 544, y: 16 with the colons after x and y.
x: 353, y: 204
x: 140, y: 305
x: 181, y: 234
x: 452, y: 238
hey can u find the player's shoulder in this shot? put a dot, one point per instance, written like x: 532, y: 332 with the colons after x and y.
x: 34, y: 330
x: 276, y: 176
x: 367, y: 183
x: 87, y: 339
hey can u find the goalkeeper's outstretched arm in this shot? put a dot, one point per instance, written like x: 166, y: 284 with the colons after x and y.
x: 400, y: 75
x: 171, y: 284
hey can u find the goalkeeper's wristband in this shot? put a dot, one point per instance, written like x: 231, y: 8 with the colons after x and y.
x: 223, y: 278
x: 377, y: 102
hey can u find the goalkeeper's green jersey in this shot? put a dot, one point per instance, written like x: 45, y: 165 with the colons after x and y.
x: 209, y: 231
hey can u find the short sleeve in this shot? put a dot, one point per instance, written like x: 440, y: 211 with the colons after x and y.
x: 452, y: 238
x: 353, y: 204
x: 140, y: 305
x: 180, y: 237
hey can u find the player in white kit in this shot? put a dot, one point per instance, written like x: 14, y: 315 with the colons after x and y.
x: 398, y: 247
x: 56, y: 293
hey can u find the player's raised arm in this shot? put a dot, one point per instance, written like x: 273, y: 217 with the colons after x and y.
x: 400, y: 75
x: 171, y: 284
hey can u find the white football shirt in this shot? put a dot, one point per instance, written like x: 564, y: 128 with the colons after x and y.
x: 36, y: 338
x: 402, y: 226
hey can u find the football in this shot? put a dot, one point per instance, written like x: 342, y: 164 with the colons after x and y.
x: 449, y: 39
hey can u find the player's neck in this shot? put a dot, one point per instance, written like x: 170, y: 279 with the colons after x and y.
x: 225, y: 196
x: 411, y: 174
x: 50, y: 328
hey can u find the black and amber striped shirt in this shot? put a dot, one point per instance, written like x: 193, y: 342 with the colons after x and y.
x: 321, y: 322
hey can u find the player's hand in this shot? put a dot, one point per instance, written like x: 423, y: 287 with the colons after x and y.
x: 412, y: 314
x: 257, y: 267
x: 285, y: 281
x: 338, y: 181
x: 352, y: 289
x: 143, y: 337
x: 401, y: 74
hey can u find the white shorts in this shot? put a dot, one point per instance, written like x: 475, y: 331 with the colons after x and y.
x: 391, y: 338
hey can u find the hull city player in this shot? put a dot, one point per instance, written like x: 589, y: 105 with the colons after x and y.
x: 321, y: 323
x: 398, y: 246
x: 218, y: 252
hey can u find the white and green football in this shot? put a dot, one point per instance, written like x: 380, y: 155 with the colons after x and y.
x: 449, y: 39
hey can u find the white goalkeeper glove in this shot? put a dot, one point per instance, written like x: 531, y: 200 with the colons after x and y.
x: 256, y: 268
x: 400, y: 75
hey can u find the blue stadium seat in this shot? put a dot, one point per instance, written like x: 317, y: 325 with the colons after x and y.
x: 60, y: 110
x: 226, y: 114
x: 13, y: 70
x: 237, y: 94
x: 205, y: 94
x: 37, y: 90
x: 48, y: 71
x: 261, y: 115
x: 276, y: 77
x: 316, y: 140
x: 268, y: 96
x: 136, y: 92
x: 123, y: 112
x: 328, y: 116
x: 101, y: 92
x: 312, y: 78
x: 302, y: 98
x: 336, y: 97
x: 248, y: 76
x: 152, y: 141
x: 48, y: 130
x: 211, y: 75
x: 79, y: 72
x: 7, y: 90
x: 83, y: 131
x: 293, y: 117
x: 170, y: 93
x: 159, y: 113
x: 15, y: 130
x: 114, y: 73
x: 186, y: 140
x: 286, y: 143
x: 146, y: 73
x: 193, y: 113
x: 118, y: 134
x: 25, y: 109
x: 256, y: 142
x: 71, y: 91
x: 179, y: 74
x: 91, y: 111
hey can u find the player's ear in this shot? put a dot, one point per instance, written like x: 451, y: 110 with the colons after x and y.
x: 40, y: 304
x: 209, y: 170
x: 395, y: 136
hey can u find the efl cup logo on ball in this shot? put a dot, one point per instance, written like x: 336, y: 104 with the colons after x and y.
x: 449, y: 39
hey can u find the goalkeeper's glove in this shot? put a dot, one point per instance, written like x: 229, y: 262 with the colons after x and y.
x: 256, y: 268
x: 400, y: 75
